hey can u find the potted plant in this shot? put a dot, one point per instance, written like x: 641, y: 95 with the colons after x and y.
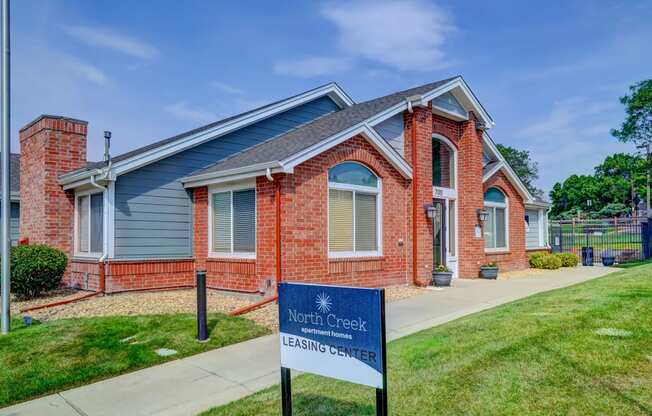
x: 489, y: 271
x: 608, y: 258
x: 441, y: 276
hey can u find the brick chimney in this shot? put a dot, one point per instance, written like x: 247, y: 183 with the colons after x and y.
x: 49, y: 147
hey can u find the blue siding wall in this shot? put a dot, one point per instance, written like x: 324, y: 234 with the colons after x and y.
x: 153, y: 212
x: 448, y: 102
x: 392, y: 131
x: 14, y: 223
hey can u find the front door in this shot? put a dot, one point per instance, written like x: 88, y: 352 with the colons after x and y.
x: 439, y: 233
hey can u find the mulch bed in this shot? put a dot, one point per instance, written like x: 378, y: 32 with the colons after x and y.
x: 164, y: 302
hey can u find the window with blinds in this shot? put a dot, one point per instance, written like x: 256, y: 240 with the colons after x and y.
x: 234, y: 222
x: 353, y: 210
x: 90, y: 224
x: 495, y: 228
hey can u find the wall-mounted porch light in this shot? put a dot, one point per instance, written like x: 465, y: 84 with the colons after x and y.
x: 483, y: 215
x: 430, y: 211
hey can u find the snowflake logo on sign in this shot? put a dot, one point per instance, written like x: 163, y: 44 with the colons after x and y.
x: 323, y: 302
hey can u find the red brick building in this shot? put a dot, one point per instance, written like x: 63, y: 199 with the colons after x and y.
x: 311, y: 188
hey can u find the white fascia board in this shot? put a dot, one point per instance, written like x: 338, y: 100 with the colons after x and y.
x: 119, y: 168
x: 448, y: 114
x: 537, y: 205
x: 463, y: 86
x: 499, y: 165
x: 363, y: 129
x: 231, y: 174
x: 511, y: 175
x: 77, y: 177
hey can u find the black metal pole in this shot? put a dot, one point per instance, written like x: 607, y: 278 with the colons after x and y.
x: 286, y: 392
x: 381, y: 394
x: 202, y: 329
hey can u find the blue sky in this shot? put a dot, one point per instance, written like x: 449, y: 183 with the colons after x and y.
x: 550, y: 76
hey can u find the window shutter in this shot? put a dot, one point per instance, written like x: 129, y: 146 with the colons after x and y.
x: 222, y: 222
x: 82, y: 233
x: 340, y: 220
x: 500, y: 228
x: 244, y: 221
x: 365, y: 222
x: 97, y: 231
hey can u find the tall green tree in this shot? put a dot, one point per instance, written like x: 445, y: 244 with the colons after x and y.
x: 522, y: 163
x: 637, y: 127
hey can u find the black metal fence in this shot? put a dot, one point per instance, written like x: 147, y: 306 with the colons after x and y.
x: 626, y: 239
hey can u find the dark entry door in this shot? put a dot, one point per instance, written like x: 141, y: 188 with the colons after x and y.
x: 439, y: 233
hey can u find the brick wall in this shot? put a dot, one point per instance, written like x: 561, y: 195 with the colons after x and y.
x: 305, y: 222
x: 418, y: 126
x: 49, y: 147
x: 516, y: 257
x: 126, y: 275
x: 470, y: 198
x: 230, y: 274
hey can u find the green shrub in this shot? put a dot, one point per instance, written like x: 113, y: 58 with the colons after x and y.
x: 536, y: 259
x: 551, y: 262
x: 544, y: 261
x: 568, y: 259
x: 36, y: 269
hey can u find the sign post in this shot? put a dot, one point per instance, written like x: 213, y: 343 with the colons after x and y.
x: 333, y: 331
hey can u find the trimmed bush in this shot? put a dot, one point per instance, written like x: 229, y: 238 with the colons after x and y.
x: 536, y: 259
x: 36, y: 269
x: 568, y: 259
x: 544, y: 261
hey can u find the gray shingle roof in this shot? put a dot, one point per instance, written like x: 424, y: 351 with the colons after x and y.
x: 152, y: 146
x: 301, y: 138
x: 14, y: 179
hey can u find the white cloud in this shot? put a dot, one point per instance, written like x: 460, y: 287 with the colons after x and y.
x: 572, y: 137
x: 574, y: 114
x: 106, y: 38
x: 407, y: 35
x: 312, y: 66
x: 229, y: 89
x: 185, y: 111
x: 84, y: 70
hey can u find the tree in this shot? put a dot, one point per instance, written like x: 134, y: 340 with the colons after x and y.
x: 522, y: 163
x: 637, y: 127
x: 573, y: 194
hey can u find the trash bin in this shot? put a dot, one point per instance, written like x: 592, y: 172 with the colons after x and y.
x: 587, y: 256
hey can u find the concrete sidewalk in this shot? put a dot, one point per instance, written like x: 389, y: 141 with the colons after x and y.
x: 191, y: 385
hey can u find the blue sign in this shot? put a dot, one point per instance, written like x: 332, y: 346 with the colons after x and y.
x: 332, y: 331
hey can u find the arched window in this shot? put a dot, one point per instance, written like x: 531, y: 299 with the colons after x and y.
x: 354, y: 217
x: 496, y: 227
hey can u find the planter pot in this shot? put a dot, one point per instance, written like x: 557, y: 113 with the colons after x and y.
x: 608, y: 260
x: 489, y: 272
x: 442, y: 278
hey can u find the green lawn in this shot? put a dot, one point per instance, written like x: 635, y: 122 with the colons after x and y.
x: 537, y: 356
x: 56, y: 355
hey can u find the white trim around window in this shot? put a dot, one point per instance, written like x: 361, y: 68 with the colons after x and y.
x: 357, y: 189
x: 230, y: 188
x: 78, y: 252
x: 505, y: 206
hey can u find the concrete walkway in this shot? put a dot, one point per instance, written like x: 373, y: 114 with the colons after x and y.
x: 191, y: 385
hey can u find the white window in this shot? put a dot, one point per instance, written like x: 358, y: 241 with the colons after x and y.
x: 89, y: 224
x: 496, y: 234
x: 354, y: 211
x: 233, y: 222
